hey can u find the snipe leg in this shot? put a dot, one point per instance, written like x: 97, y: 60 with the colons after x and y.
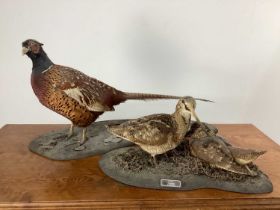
x: 185, y: 150
x: 174, y: 151
x: 155, y: 160
x: 252, y: 173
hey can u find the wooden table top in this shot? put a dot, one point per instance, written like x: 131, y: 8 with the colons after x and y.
x: 30, y: 181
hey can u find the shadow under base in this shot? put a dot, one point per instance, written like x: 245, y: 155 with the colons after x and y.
x: 177, y: 170
x: 56, y: 145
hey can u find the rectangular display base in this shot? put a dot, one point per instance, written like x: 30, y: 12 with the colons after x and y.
x: 28, y: 181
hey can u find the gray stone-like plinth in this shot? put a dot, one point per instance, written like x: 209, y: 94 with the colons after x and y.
x: 55, y: 145
x: 134, y: 167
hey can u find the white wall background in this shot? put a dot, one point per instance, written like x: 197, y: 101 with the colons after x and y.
x: 224, y: 50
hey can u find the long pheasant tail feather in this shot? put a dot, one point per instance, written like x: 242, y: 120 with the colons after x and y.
x: 205, y: 100
x: 147, y: 96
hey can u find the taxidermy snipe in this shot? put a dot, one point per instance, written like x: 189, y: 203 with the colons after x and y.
x: 158, y: 133
x: 245, y: 156
x: 220, y: 155
x: 71, y: 93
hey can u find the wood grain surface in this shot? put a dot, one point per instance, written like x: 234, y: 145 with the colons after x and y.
x: 30, y: 181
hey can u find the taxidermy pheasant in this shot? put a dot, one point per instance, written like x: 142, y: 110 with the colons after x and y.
x: 72, y: 94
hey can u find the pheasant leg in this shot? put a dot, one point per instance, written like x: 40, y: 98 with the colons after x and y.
x: 66, y: 136
x: 71, y: 131
x: 82, y: 141
x: 84, y: 136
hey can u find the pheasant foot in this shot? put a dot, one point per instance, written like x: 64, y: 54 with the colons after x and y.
x: 80, y: 148
x: 82, y: 141
x: 64, y: 136
x: 48, y: 145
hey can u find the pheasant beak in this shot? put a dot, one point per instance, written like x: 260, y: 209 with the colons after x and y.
x: 25, y: 50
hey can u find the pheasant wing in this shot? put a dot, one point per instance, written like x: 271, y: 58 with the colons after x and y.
x: 89, y: 92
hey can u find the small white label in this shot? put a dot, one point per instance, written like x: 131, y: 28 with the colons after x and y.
x: 170, y: 183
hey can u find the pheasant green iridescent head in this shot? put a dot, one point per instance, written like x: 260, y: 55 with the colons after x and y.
x: 31, y: 48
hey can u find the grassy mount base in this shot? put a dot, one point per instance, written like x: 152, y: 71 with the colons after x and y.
x: 132, y: 166
x: 56, y: 146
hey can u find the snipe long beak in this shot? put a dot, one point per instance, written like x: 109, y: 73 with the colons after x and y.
x: 200, y: 123
x: 25, y: 50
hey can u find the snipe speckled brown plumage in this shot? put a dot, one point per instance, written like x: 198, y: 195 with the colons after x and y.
x: 220, y: 155
x: 158, y: 133
x: 245, y: 156
x: 71, y: 93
